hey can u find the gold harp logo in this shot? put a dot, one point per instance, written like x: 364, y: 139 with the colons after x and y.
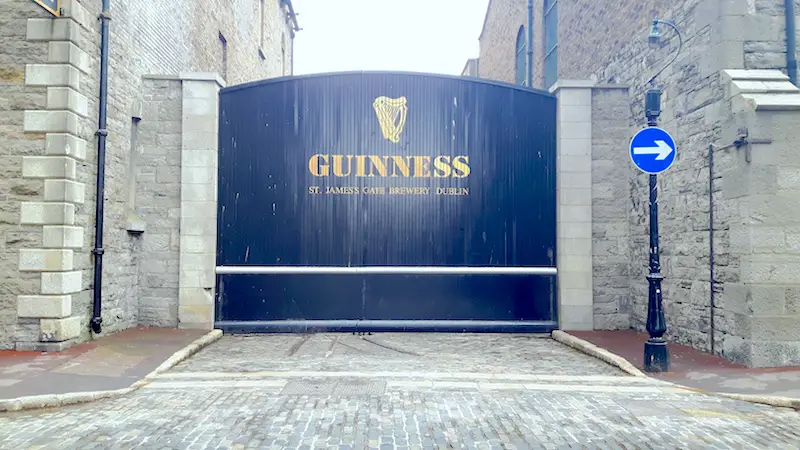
x: 391, y: 114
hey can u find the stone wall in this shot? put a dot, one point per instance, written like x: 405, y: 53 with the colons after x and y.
x: 715, y: 33
x: 15, y: 98
x: 762, y: 324
x: 470, y: 68
x: 498, y: 40
x: 49, y: 81
x: 156, y: 162
x: 600, y: 46
x: 611, y: 170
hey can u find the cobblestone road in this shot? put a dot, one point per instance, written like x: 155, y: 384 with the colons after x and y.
x: 489, y: 353
x: 290, y: 396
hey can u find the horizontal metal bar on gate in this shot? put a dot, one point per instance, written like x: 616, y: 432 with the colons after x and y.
x: 387, y: 270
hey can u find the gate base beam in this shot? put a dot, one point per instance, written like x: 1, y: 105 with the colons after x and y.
x: 385, y: 326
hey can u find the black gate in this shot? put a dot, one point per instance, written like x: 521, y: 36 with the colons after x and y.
x: 386, y: 201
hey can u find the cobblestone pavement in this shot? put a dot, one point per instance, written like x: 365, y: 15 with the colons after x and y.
x: 199, y: 406
x: 484, y: 353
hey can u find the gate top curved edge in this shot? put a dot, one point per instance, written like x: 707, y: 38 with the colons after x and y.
x: 289, y: 78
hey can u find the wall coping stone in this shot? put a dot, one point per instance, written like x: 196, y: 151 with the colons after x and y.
x: 762, y: 89
x: 611, y: 86
x: 191, y: 76
x: 572, y: 84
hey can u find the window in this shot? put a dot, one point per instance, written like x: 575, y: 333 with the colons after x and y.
x: 550, y: 42
x: 283, y: 53
x: 224, y: 68
x: 135, y: 226
x: 519, y: 65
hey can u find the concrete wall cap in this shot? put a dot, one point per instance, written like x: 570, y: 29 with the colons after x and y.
x: 612, y: 86
x: 780, y: 102
x: 754, y: 75
x: 572, y: 84
x: 202, y: 76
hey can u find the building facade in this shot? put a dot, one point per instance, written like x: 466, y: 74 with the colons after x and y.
x: 729, y: 226
x: 470, y: 68
x: 166, y: 62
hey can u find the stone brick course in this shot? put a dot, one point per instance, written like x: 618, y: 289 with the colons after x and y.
x: 49, y: 86
x: 598, y: 44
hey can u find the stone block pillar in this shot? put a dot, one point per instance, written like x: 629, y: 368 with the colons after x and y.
x: 198, y: 231
x: 180, y: 123
x: 574, y: 207
x: 762, y: 187
x: 63, y: 151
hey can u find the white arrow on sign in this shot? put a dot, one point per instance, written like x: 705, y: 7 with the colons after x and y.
x: 662, y: 149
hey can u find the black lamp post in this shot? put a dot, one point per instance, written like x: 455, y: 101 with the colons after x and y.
x: 656, y: 355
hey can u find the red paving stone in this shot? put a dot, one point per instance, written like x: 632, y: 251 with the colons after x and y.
x: 111, y: 362
x: 699, y: 369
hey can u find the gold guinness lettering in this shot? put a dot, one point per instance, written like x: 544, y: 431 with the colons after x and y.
x: 378, y: 163
x: 338, y: 170
x: 402, y: 164
x: 318, y: 166
x: 461, y: 164
x: 389, y: 166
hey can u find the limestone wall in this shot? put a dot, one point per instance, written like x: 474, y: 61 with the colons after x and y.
x: 499, y: 37
x: 49, y: 84
x: 602, y: 46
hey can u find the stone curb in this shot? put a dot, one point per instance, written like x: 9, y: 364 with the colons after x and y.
x: 599, y: 353
x: 72, y: 398
x: 625, y: 366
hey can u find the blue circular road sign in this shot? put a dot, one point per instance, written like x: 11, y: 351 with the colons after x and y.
x: 652, y: 150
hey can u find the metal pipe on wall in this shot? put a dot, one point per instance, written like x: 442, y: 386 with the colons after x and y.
x: 530, y: 44
x: 711, y: 298
x: 102, y: 133
x: 791, y: 41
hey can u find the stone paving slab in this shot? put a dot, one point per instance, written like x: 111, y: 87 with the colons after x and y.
x: 701, y: 370
x: 278, y: 393
x: 206, y: 414
x: 396, y: 352
x: 112, y: 362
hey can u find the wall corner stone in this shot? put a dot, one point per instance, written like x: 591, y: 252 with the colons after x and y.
x: 54, y: 215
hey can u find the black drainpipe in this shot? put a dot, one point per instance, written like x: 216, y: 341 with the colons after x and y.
x: 711, y: 240
x: 791, y: 41
x: 102, y: 132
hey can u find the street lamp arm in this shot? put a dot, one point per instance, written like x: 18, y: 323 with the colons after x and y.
x: 680, y: 47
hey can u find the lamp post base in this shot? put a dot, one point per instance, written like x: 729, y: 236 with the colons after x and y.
x: 656, y: 355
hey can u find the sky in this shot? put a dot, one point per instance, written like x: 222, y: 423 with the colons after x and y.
x: 435, y: 36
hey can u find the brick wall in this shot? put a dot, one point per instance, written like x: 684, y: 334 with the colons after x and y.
x: 146, y: 38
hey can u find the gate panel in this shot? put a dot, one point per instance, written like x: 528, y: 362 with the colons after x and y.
x: 385, y: 169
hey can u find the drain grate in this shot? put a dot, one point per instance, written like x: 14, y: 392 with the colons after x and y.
x: 346, y: 388
x: 334, y: 388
